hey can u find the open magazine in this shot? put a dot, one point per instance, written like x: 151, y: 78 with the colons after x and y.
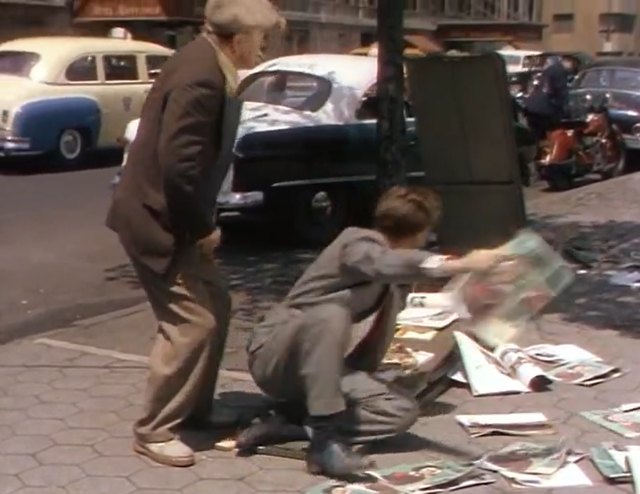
x: 423, y: 478
x: 502, y: 300
x: 511, y: 424
x: 507, y: 370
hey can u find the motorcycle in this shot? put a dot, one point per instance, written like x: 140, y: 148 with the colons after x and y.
x: 581, y: 147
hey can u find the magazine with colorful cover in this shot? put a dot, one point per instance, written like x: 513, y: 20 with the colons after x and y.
x: 624, y: 420
x: 502, y: 300
x: 422, y: 478
x: 611, y: 462
x: 541, y: 465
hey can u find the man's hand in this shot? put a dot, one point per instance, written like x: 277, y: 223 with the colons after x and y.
x: 207, y: 245
x: 479, y: 260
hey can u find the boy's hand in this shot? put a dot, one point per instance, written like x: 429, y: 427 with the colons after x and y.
x: 481, y: 260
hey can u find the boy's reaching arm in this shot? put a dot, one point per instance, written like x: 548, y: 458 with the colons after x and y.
x: 370, y: 259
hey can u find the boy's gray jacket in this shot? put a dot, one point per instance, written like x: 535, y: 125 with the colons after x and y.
x: 353, y: 278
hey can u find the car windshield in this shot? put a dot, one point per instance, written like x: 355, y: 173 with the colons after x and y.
x: 295, y: 90
x: 18, y: 63
x: 610, y: 78
x: 511, y: 59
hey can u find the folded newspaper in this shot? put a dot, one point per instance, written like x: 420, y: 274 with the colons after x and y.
x: 612, y: 462
x: 624, y: 420
x: 511, y: 424
x: 542, y: 465
x: 502, y: 300
x: 507, y: 370
x: 423, y: 478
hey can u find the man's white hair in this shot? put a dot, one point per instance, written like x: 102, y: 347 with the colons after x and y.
x: 230, y: 17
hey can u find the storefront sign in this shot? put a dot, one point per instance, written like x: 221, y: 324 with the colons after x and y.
x: 139, y: 9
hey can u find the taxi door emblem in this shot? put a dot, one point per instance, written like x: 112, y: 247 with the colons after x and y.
x: 126, y: 103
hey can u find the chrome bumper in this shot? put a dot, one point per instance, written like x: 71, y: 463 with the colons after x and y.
x: 10, y: 145
x: 235, y: 201
x: 631, y: 141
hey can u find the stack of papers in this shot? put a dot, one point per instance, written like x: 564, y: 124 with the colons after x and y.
x: 511, y: 424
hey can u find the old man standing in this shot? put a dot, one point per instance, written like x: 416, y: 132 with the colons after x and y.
x: 163, y: 213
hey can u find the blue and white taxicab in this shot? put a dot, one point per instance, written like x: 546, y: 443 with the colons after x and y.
x: 67, y: 95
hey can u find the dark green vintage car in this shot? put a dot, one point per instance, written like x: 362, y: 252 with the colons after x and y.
x: 314, y: 181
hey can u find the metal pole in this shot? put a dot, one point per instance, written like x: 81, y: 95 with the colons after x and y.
x: 391, y: 130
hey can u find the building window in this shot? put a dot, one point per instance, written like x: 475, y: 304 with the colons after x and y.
x: 617, y: 23
x: 562, y: 23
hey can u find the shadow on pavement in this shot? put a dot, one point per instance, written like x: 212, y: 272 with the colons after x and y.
x: 597, y: 249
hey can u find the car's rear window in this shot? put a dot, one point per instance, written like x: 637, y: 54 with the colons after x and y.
x: 17, y: 63
x: 295, y: 90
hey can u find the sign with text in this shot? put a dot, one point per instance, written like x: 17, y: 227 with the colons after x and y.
x: 139, y: 9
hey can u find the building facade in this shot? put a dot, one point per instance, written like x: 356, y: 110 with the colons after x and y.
x: 342, y: 25
x: 597, y: 27
x: 313, y: 25
x: 20, y: 18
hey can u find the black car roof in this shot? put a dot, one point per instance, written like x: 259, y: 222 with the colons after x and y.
x: 626, y: 62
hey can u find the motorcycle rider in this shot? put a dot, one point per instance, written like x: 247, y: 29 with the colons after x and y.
x: 546, y: 104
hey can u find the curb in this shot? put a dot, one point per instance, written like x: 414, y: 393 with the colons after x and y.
x: 89, y: 312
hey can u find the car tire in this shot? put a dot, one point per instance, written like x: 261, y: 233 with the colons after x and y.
x: 560, y: 183
x: 319, y: 214
x: 71, y: 147
x: 619, y: 168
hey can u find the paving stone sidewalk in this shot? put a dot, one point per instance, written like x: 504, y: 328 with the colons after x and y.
x: 65, y: 424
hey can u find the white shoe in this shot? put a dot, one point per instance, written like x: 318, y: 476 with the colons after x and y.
x: 173, y: 453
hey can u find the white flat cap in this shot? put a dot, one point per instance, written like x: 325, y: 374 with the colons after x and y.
x: 229, y: 17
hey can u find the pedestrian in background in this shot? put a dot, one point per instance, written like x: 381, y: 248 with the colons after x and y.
x: 163, y: 212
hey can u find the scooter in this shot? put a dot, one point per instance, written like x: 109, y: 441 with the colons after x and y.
x: 581, y: 147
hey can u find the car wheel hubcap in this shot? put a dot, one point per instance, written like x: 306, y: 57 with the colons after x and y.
x: 70, y: 144
x: 321, y: 205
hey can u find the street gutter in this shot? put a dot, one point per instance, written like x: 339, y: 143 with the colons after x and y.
x: 64, y: 316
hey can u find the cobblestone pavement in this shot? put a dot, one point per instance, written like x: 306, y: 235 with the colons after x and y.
x: 65, y: 423
x: 66, y: 413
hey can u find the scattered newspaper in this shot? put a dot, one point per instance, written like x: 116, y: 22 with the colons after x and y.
x: 511, y: 424
x: 501, y: 301
x: 611, y: 461
x: 507, y: 370
x: 429, y: 310
x: 542, y: 465
x: 633, y: 459
x: 424, y: 478
x: 624, y: 420
x: 573, y: 365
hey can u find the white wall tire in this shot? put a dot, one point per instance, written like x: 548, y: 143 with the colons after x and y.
x: 71, y: 147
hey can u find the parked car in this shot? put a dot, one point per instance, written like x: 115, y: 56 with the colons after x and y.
x: 517, y: 60
x: 618, y: 81
x: 67, y: 95
x: 307, y: 146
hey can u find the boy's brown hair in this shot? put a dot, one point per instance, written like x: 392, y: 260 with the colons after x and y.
x: 407, y: 211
